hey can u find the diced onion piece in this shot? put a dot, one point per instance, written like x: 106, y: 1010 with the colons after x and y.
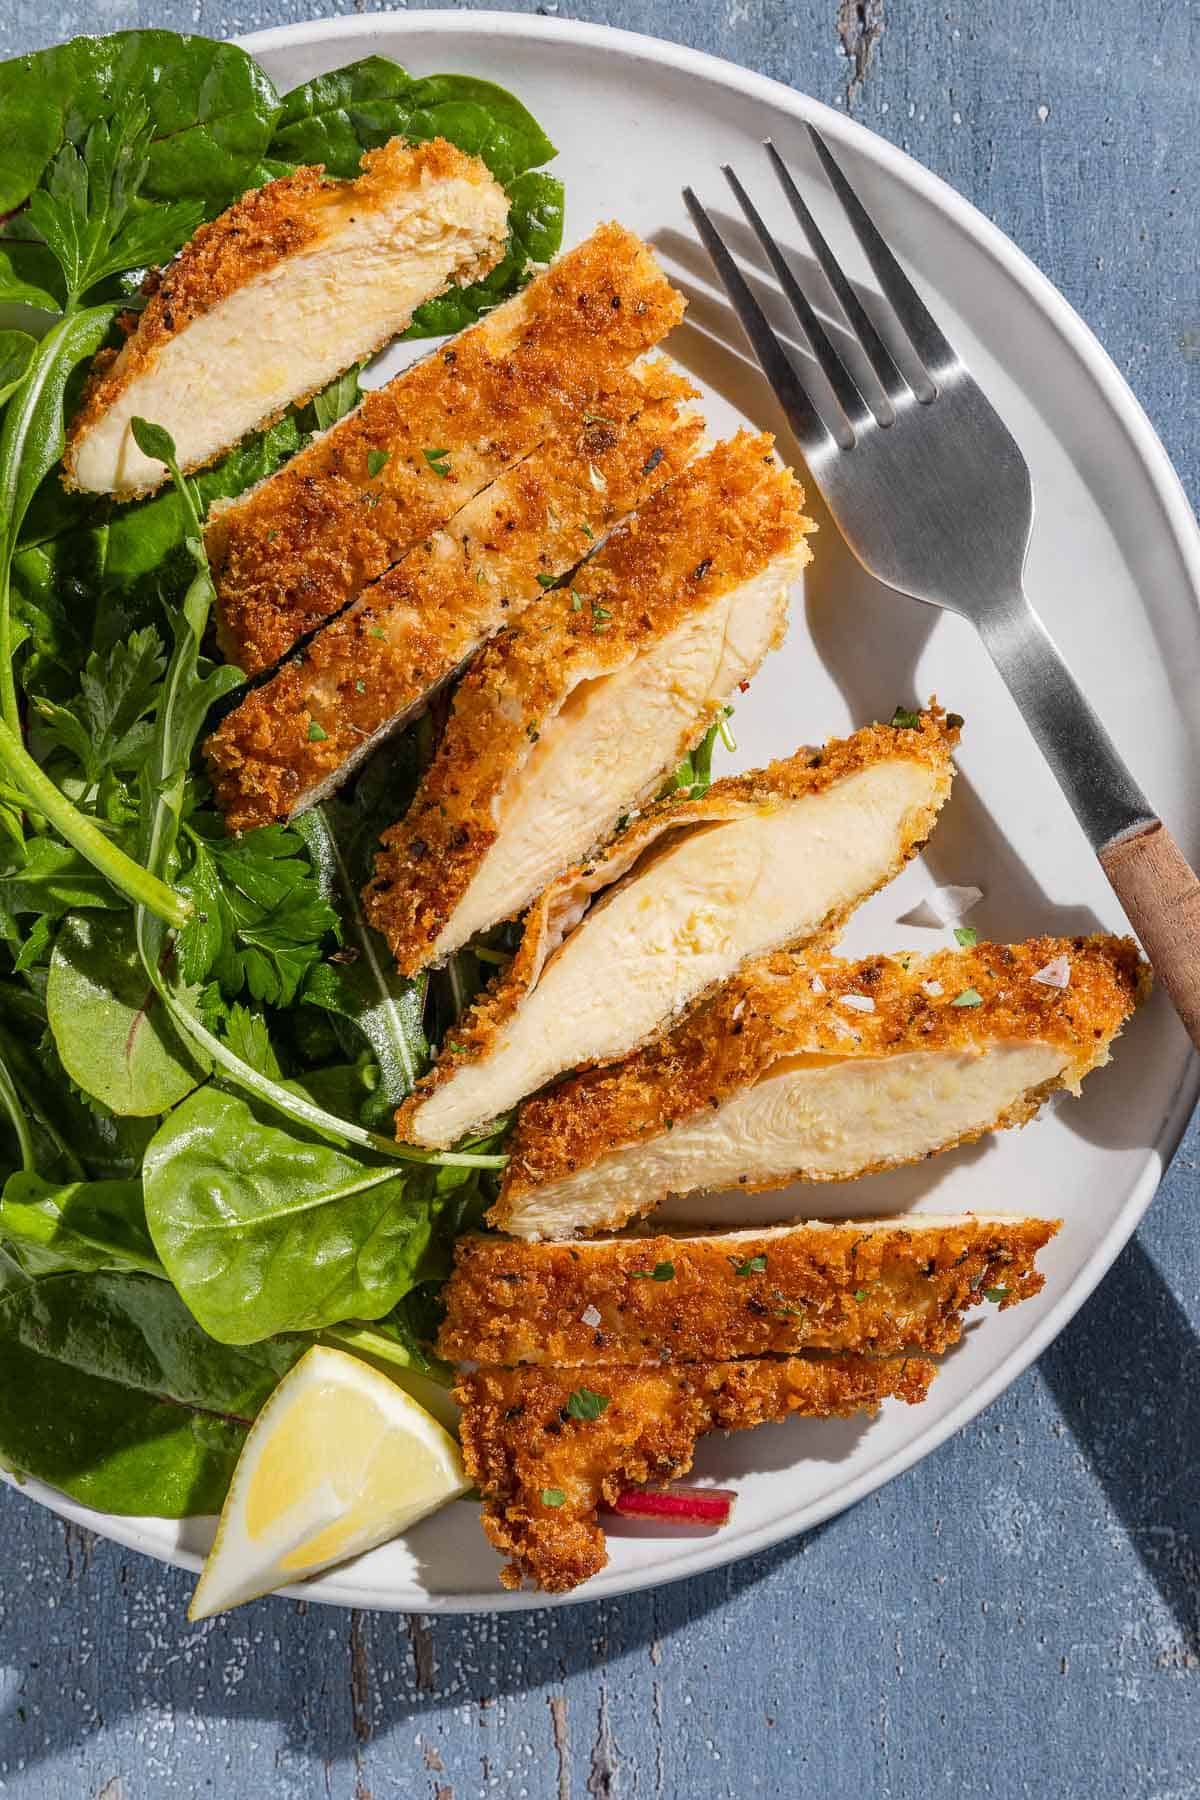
x: 677, y: 1505
x: 950, y: 903
x: 1055, y: 974
x: 934, y: 989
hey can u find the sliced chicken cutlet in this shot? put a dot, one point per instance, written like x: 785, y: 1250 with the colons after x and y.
x: 295, y: 283
x: 820, y: 1070
x: 302, y: 544
x: 371, y: 670
x: 544, y: 1473
x: 761, y: 861
x: 577, y: 713
x: 877, y: 1285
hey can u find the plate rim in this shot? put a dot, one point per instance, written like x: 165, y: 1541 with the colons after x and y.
x: 1177, y: 518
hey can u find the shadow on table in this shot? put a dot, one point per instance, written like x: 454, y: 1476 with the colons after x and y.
x: 1126, y: 1376
x: 333, y: 1681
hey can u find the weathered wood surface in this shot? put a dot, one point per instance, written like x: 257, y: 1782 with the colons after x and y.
x: 1021, y: 1614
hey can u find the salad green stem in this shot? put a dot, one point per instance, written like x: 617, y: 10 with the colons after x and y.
x: 126, y: 875
x: 10, y: 1099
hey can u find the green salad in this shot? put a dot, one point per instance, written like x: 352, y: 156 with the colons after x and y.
x: 201, y: 1042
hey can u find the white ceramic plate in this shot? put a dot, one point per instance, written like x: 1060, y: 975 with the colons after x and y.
x: 1115, y: 568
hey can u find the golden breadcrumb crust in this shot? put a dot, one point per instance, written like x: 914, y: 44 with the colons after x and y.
x: 260, y: 230
x: 413, y: 627
x: 557, y: 911
x: 523, y: 1448
x: 769, y: 1011
x: 300, y: 545
x: 720, y: 522
x: 881, y: 1286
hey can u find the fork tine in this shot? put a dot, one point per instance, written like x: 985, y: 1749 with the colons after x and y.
x: 923, y: 331
x: 834, y: 369
x: 773, y: 359
x: 877, y: 352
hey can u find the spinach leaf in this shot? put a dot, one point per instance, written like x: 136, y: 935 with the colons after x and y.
x: 114, y: 1395
x: 78, y: 1225
x: 362, y: 983
x: 535, y: 228
x: 110, y: 1026
x: 264, y: 1230
x: 212, y: 112
x: 71, y: 1137
x: 335, y: 117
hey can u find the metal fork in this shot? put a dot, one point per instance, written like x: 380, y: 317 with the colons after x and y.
x: 933, y: 497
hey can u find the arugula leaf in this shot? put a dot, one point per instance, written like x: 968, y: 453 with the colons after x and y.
x: 113, y: 1394
x: 86, y: 213
x: 80, y: 1225
x: 384, y: 1006
x: 109, y: 1024
x: 16, y: 352
x: 264, y: 1230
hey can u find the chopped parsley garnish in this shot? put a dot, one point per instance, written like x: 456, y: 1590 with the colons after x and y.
x: 586, y: 529
x: 377, y: 631
x: 377, y: 462
x: 480, y: 577
x: 439, y: 461
x: 753, y: 1265
x: 458, y: 1049
x: 547, y: 580
x: 996, y: 1295
x: 576, y: 601
x: 860, y: 1294
x: 585, y: 1403
x: 967, y: 936
x: 652, y: 461
x: 664, y: 1271
x: 532, y: 733
x: 600, y: 616
x: 360, y: 686
x: 272, y: 535
x: 968, y: 997
x: 701, y: 569
x: 553, y: 1497
x: 316, y: 732
x: 904, y: 720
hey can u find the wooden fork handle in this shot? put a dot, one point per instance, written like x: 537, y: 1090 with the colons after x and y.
x: 1161, y: 895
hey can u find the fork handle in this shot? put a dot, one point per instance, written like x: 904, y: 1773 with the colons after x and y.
x: 1154, y: 883
x: 1161, y: 896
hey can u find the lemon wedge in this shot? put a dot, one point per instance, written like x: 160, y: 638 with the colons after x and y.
x: 339, y: 1460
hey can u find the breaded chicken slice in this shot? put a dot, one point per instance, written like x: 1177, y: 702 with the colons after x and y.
x: 820, y: 1070
x: 544, y: 1473
x: 575, y: 715
x: 298, y: 547
x: 760, y: 862
x: 877, y: 1285
x: 295, y: 283
x: 371, y: 670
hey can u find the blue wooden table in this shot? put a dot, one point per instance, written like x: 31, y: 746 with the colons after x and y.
x: 1020, y: 1615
